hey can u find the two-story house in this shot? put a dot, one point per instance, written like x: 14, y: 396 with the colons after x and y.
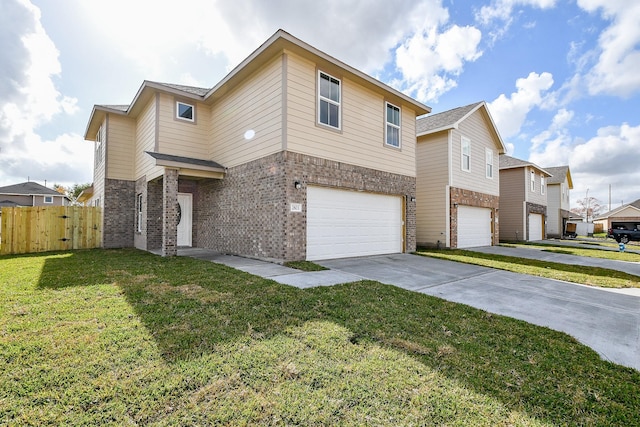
x: 31, y: 194
x: 558, y: 200
x: 458, y: 187
x: 293, y: 155
x: 523, y: 197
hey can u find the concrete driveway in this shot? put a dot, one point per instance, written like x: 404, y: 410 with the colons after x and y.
x: 607, y: 321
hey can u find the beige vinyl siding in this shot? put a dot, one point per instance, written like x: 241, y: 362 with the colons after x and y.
x: 121, y: 147
x: 554, y: 221
x: 534, y: 196
x: 181, y: 137
x: 361, y: 138
x: 432, y: 191
x: 255, y: 105
x: 512, y: 188
x: 476, y: 129
x: 145, y: 141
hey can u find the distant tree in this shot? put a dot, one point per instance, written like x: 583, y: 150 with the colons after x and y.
x: 588, y: 208
x: 71, y: 192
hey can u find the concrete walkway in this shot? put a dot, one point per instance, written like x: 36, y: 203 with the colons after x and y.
x: 607, y: 321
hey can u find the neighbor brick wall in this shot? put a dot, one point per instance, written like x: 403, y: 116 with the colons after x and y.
x: 118, y: 213
x: 248, y: 212
x: 461, y: 197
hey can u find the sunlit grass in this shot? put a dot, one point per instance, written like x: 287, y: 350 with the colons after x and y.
x: 123, y: 337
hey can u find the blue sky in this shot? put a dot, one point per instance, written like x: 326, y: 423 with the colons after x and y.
x: 561, y: 78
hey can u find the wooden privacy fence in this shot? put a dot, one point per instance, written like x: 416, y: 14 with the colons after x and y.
x: 50, y: 228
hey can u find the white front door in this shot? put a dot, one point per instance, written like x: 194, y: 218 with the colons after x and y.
x: 185, y: 201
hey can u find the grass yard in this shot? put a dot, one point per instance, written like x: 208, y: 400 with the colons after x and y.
x: 123, y: 337
x: 588, y: 249
x: 593, y: 276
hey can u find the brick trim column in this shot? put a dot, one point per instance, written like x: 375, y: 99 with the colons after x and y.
x: 170, y: 212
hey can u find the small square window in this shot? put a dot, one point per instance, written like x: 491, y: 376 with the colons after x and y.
x: 48, y: 199
x: 185, y: 111
x: 393, y: 126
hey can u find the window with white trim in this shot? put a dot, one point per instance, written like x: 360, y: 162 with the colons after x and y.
x: 542, y: 184
x: 533, y: 181
x: 329, y: 98
x: 99, y: 145
x: 139, y: 213
x: 488, y: 154
x: 392, y: 133
x: 48, y: 199
x: 465, y: 158
x: 185, y: 111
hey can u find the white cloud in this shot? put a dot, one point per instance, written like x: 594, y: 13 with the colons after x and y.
x: 31, y: 98
x: 502, y: 9
x: 511, y: 112
x: 429, y: 60
x: 553, y: 146
x: 616, y: 70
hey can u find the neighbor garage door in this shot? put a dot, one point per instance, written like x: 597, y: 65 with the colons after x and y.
x: 474, y: 227
x: 535, y: 227
x: 344, y: 223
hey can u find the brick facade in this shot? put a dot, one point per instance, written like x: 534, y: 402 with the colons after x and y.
x: 247, y: 212
x: 459, y: 197
x: 170, y: 212
x: 118, y: 214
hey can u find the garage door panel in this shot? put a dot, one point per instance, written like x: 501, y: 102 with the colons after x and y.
x: 343, y: 223
x: 535, y: 227
x: 474, y: 227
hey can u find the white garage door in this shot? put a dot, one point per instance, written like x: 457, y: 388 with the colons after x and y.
x: 344, y: 224
x: 474, y: 227
x: 535, y: 227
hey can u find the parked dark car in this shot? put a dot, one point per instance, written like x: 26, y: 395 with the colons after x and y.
x: 624, y: 233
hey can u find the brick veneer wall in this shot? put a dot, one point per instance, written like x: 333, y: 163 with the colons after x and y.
x: 153, y: 221
x: 170, y: 212
x: 248, y: 213
x: 460, y: 197
x: 119, y: 213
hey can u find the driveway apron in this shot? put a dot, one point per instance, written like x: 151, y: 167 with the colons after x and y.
x: 606, y: 321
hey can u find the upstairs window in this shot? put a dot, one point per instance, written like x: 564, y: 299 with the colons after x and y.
x: 489, y: 160
x: 98, y: 153
x: 533, y: 181
x: 328, y: 100
x: 392, y: 137
x: 542, y: 184
x: 465, y: 147
x: 185, y: 111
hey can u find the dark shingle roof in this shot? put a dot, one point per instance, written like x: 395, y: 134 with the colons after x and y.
x: 200, y: 91
x: 445, y: 119
x: 185, y: 160
x: 508, y: 162
x: 29, y: 188
x: 558, y: 174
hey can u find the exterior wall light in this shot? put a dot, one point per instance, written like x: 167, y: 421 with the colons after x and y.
x: 297, y: 185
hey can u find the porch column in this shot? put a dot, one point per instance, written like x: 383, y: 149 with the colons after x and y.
x: 170, y: 212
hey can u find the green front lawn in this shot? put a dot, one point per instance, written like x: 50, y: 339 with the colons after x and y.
x: 588, y: 249
x: 123, y: 337
x: 593, y: 276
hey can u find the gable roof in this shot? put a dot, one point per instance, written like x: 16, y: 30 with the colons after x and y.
x: 635, y: 205
x: 451, y: 119
x: 29, y: 188
x: 558, y: 175
x: 279, y: 42
x: 508, y: 162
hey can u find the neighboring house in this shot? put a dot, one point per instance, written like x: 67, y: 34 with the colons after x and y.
x: 31, y: 194
x: 558, y: 201
x: 458, y: 187
x: 85, y: 197
x: 293, y: 155
x: 523, y: 200
x: 627, y: 216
